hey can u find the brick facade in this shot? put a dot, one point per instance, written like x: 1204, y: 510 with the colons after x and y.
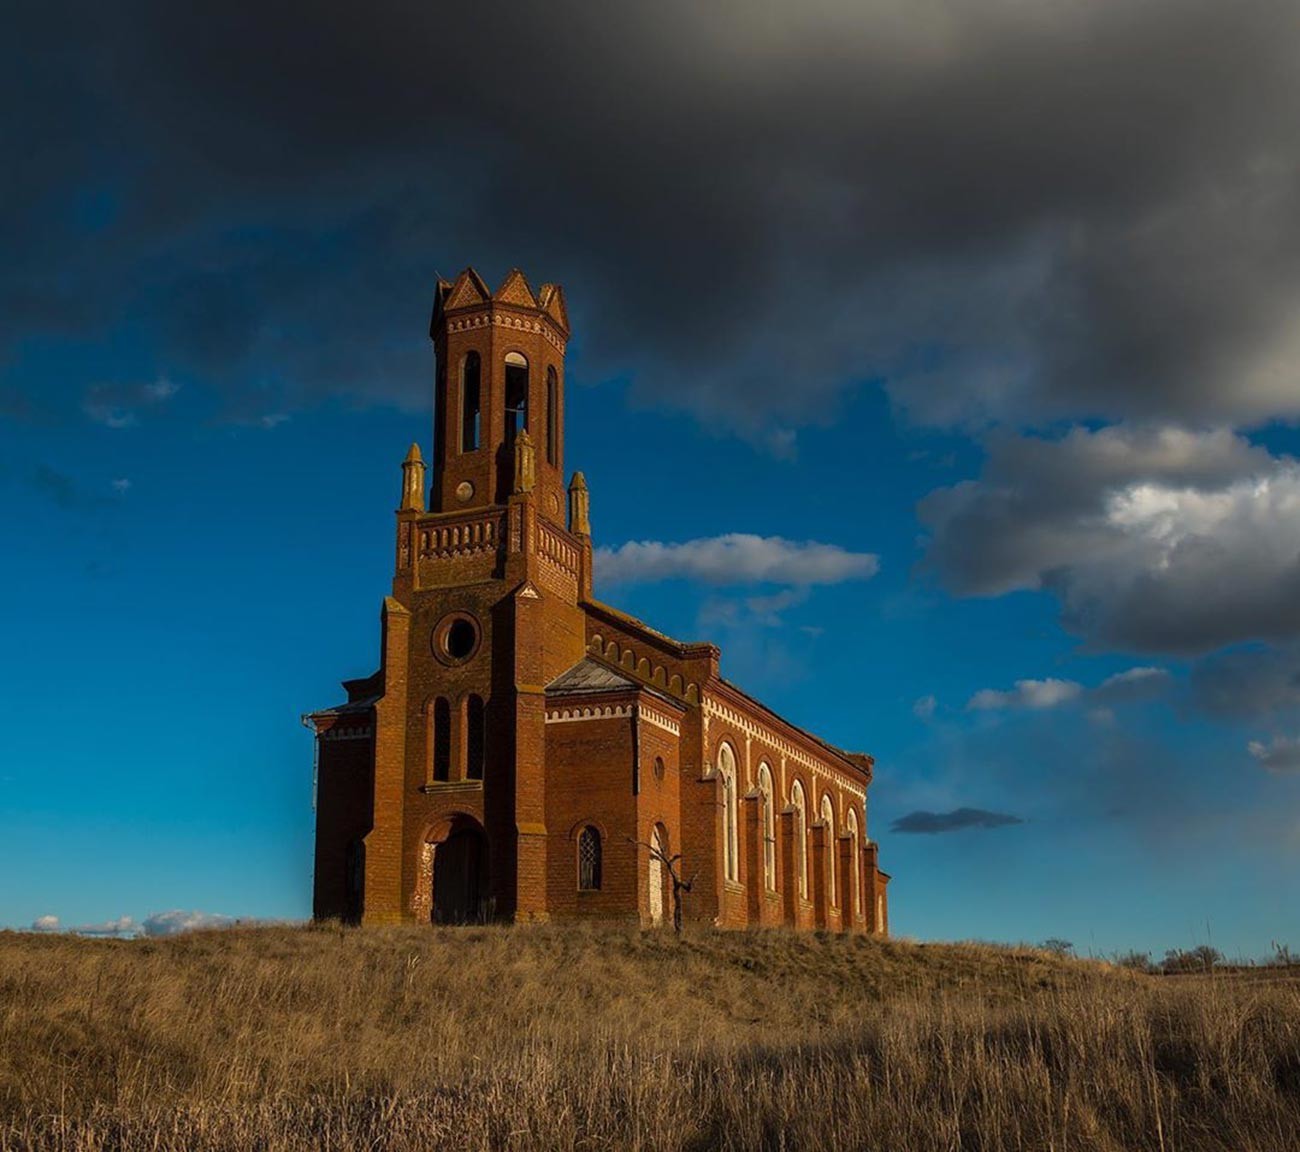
x: 522, y: 744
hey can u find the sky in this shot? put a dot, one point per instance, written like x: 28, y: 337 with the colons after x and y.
x: 957, y: 343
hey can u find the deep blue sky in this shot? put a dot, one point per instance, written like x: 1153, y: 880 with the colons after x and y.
x: 861, y: 277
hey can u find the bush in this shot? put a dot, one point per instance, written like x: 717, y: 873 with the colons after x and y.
x: 1202, y: 958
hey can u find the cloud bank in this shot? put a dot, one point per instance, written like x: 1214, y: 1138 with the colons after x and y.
x: 736, y: 558
x: 999, y: 211
x: 1152, y: 539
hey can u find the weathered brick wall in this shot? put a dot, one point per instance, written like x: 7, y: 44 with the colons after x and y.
x: 344, y: 795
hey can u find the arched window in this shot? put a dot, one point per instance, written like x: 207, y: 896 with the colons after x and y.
x: 475, y: 737
x: 589, y: 859
x: 855, y: 872
x: 552, y: 416
x: 828, y: 818
x: 730, y: 849
x: 516, y: 395
x: 769, y: 826
x: 471, y: 403
x: 441, y: 739
x: 800, y: 837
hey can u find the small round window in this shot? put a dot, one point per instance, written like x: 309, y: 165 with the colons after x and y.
x: 456, y: 638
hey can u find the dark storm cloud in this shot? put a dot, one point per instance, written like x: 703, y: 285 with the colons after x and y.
x: 995, y: 208
x: 932, y: 823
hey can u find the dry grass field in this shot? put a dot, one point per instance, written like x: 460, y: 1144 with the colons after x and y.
x: 548, y: 1038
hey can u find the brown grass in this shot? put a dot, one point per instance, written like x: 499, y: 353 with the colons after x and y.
x: 554, y: 1038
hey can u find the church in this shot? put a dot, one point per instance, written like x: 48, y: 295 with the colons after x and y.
x: 528, y: 753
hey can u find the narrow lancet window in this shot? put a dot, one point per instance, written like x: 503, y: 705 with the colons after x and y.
x: 516, y: 395
x: 589, y: 859
x: 474, y: 738
x: 441, y: 739
x: 471, y: 403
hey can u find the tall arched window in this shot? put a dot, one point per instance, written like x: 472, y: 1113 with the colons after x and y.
x: 471, y: 403
x: 800, y: 807
x: 475, y: 737
x: 769, y: 826
x: 828, y: 818
x: 441, y: 739
x: 730, y: 848
x: 589, y: 859
x: 552, y: 416
x: 516, y: 395
x: 855, y: 872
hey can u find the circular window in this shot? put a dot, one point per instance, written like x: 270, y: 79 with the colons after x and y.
x: 659, y: 767
x: 456, y: 638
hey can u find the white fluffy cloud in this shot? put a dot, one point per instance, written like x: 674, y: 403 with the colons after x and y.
x: 1026, y: 694
x: 1155, y: 539
x: 1281, y: 754
x: 736, y: 558
x: 1121, y: 688
x: 45, y: 924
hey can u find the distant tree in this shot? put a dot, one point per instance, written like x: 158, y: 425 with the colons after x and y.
x: 1135, y: 961
x: 1057, y: 947
x: 671, y: 864
x: 1202, y: 958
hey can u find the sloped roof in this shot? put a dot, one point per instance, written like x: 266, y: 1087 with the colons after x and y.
x: 586, y: 677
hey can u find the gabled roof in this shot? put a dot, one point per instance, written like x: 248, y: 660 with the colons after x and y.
x: 467, y: 290
x: 551, y: 298
x: 514, y: 290
x: 587, y: 677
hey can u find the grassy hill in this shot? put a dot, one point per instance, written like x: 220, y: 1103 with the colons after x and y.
x: 310, y: 1038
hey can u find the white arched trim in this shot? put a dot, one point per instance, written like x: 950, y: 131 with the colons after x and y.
x: 769, y: 825
x: 828, y: 818
x: 854, y: 855
x: 730, y: 844
x: 800, y: 807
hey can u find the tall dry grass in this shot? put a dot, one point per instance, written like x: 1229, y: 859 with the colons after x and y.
x: 327, y: 1038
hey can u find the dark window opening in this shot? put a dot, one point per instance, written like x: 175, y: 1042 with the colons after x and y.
x: 516, y: 395
x: 471, y: 413
x: 441, y: 739
x: 460, y: 639
x: 589, y: 859
x: 475, y: 738
x: 552, y: 416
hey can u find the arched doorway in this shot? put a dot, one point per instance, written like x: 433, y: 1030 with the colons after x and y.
x: 460, y: 875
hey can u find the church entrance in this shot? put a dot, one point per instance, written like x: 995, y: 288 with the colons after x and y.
x: 460, y: 876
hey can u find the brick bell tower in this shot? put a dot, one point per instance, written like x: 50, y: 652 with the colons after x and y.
x: 484, y: 612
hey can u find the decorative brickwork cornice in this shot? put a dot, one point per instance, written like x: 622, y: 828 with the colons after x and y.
x: 742, y: 720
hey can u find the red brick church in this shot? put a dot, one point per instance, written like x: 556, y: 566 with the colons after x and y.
x: 523, y: 745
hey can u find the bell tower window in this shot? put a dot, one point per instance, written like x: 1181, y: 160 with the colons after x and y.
x: 471, y: 402
x: 516, y: 395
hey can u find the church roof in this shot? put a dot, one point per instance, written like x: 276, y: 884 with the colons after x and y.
x: 586, y: 677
